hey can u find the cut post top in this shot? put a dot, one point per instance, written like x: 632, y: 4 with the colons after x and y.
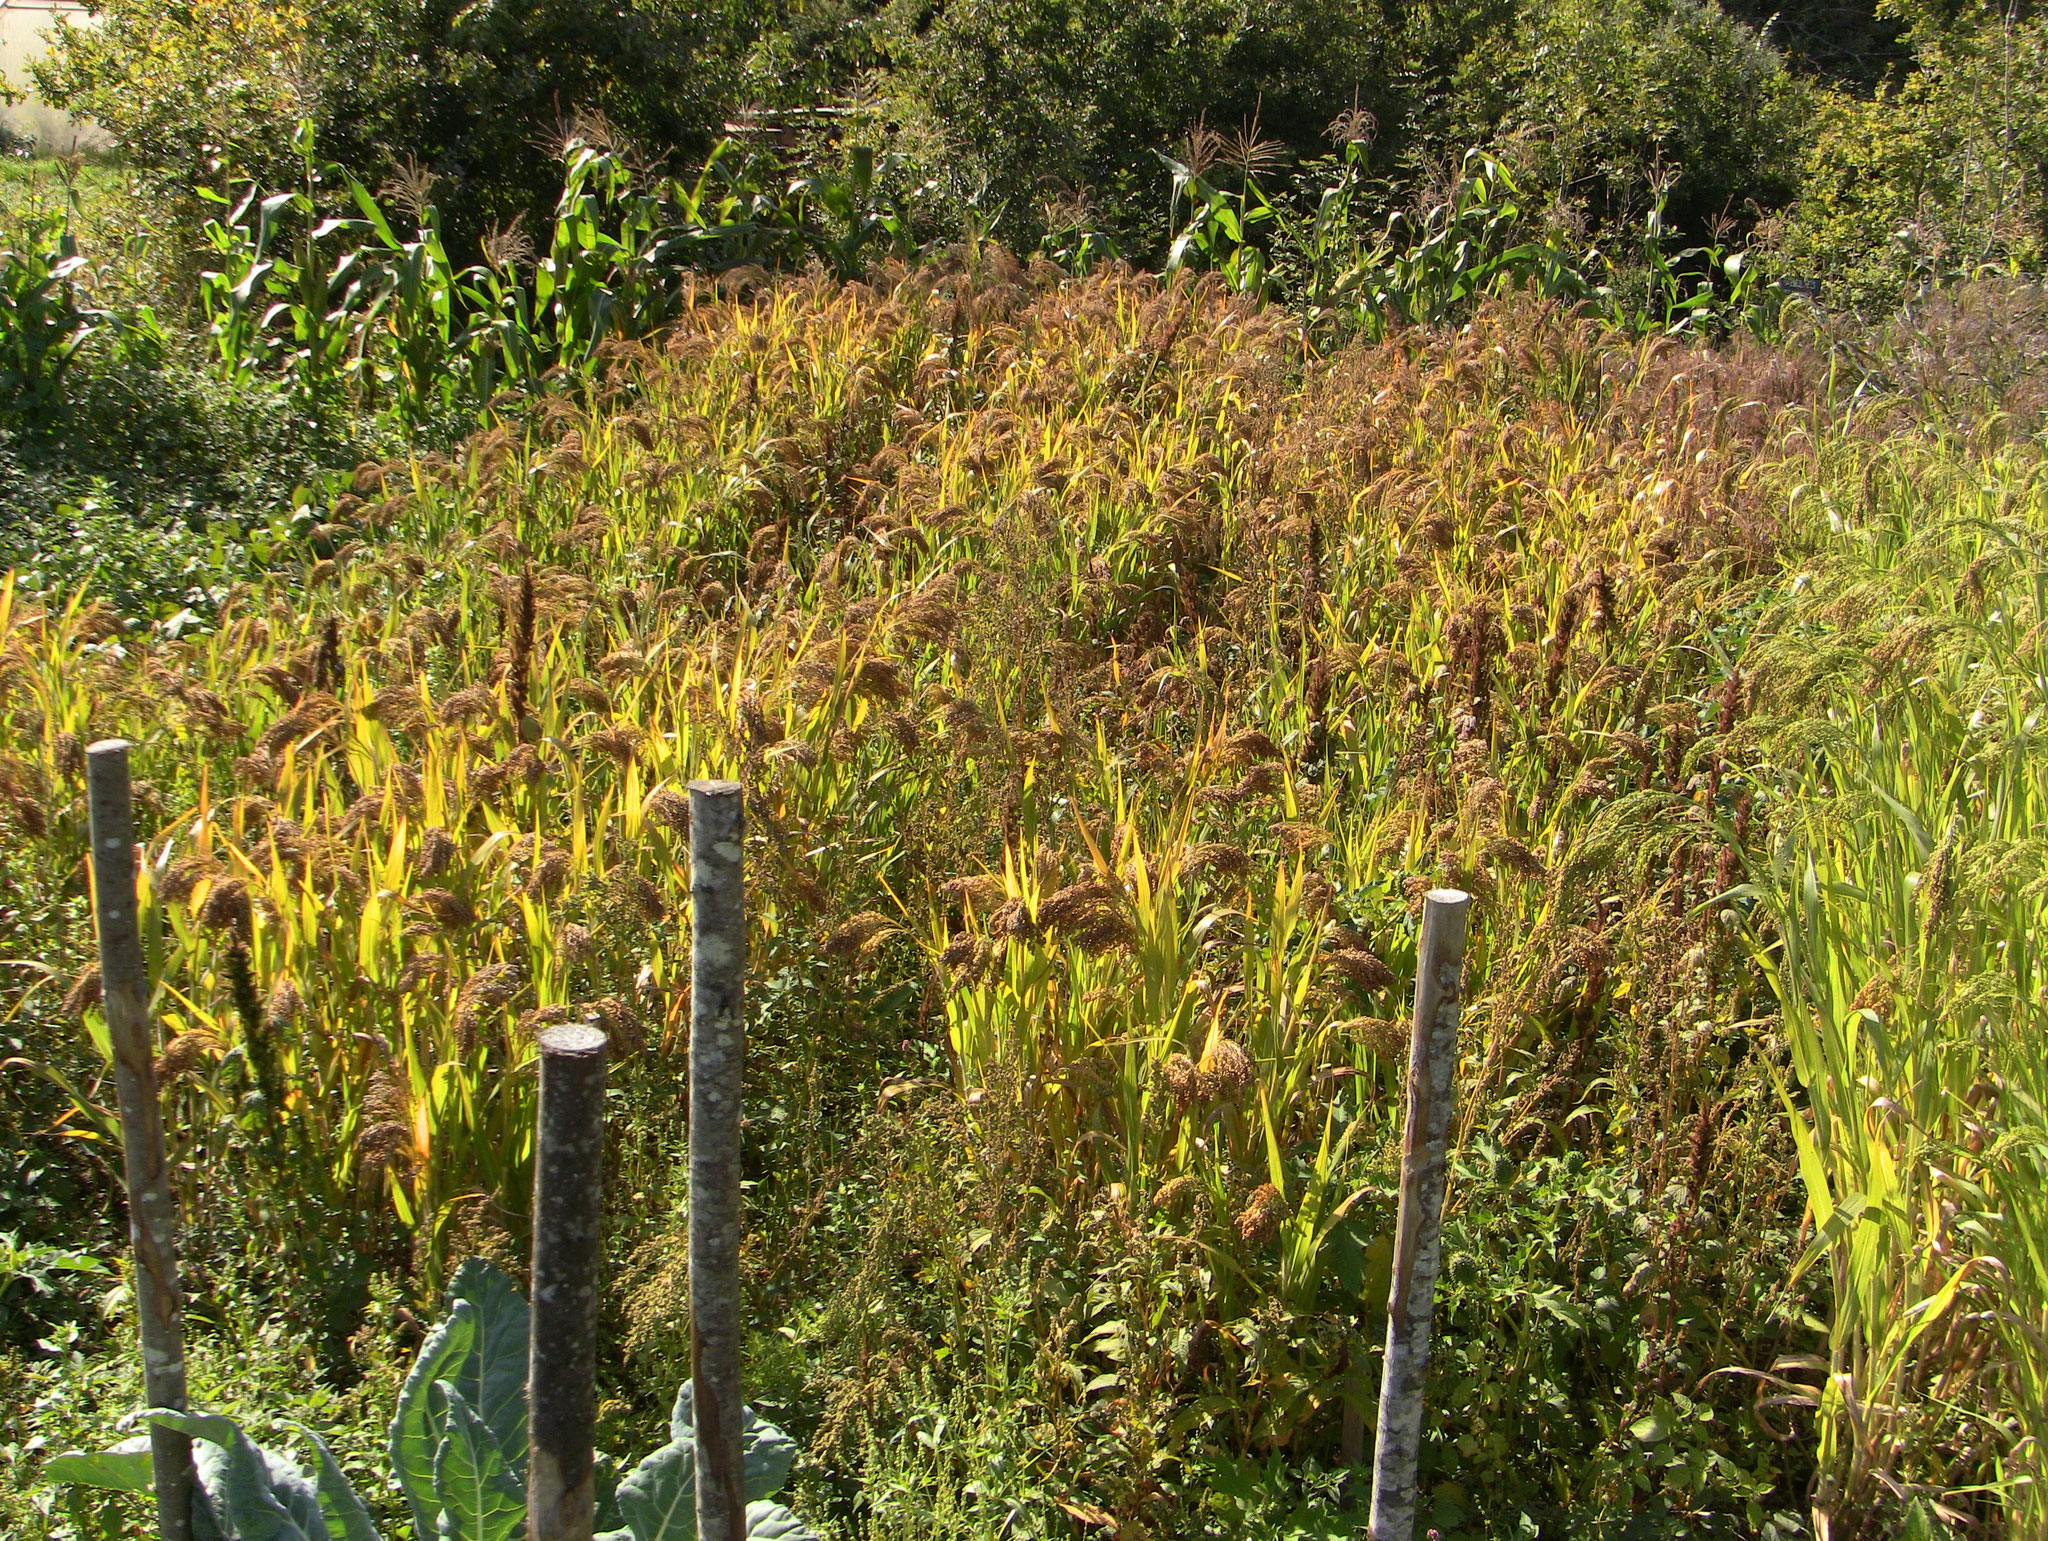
x: 715, y: 789
x: 574, y: 1038
x: 107, y: 746
x: 1448, y: 896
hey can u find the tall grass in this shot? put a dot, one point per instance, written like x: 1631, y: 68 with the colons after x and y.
x: 1904, y: 895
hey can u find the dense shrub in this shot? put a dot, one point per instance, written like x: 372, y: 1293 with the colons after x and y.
x: 1599, y: 100
x: 1853, y: 43
x: 1050, y: 96
x: 470, y: 95
x: 182, y: 87
x: 154, y: 482
x: 1942, y: 176
x: 1600, y: 103
x: 1033, y: 115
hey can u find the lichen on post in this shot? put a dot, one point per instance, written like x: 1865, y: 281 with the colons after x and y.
x: 1432, y: 1075
x: 152, y: 1211
x: 568, y: 1257
x: 718, y: 1051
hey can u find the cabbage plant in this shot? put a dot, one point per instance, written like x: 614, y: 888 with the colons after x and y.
x: 458, y: 1453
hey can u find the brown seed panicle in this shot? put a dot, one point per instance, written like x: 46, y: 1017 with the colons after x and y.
x: 1258, y: 1223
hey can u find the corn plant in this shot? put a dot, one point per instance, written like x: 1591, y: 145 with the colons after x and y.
x: 343, y: 307
x: 44, y: 320
x: 275, y: 299
x: 600, y: 278
x: 425, y: 303
x: 863, y: 211
x: 1221, y: 227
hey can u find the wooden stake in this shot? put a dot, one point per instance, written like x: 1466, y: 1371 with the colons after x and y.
x: 718, y: 1051
x: 152, y: 1212
x: 568, y: 1256
x: 1432, y: 1072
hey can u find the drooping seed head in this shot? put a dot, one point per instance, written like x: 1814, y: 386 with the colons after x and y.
x: 446, y: 909
x: 85, y: 992
x: 1230, y: 1069
x: 185, y: 1053
x: 1260, y: 1220
x: 1360, y: 970
x: 437, y: 851
x: 667, y: 809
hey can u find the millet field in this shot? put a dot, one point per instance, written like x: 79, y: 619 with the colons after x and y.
x: 1159, y: 512
x: 1110, y: 670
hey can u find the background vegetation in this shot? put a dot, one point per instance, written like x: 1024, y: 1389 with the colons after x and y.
x: 1138, y: 494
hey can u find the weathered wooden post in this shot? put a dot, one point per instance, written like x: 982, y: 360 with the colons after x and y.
x: 152, y: 1212
x: 718, y: 1051
x: 1432, y: 1071
x: 568, y: 1255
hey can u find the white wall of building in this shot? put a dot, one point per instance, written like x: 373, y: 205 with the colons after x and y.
x: 22, y: 25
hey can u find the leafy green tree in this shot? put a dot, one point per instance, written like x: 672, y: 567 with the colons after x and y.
x: 471, y: 97
x: 1605, y: 103
x: 1943, y: 176
x: 1854, y: 44
x: 1048, y: 96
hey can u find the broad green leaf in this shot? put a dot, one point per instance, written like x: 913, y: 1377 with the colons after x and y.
x: 659, y: 1496
x: 493, y: 1379
x: 415, y: 1433
x: 1652, y: 1430
x: 479, y: 1498
x: 259, y: 1494
x: 773, y: 1522
x: 348, y: 1519
x: 206, y: 1523
x: 125, y: 1468
x: 769, y: 1453
x: 294, y: 1491
x: 605, y: 1479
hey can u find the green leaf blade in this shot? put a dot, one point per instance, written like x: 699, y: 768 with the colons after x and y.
x: 348, y: 1518
x: 658, y: 1499
x: 493, y: 1380
x: 125, y: 1469
x: 259, y: 1494
x: 416, y: 1434
x: 774, y: 1522
x: 478, y: 1496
